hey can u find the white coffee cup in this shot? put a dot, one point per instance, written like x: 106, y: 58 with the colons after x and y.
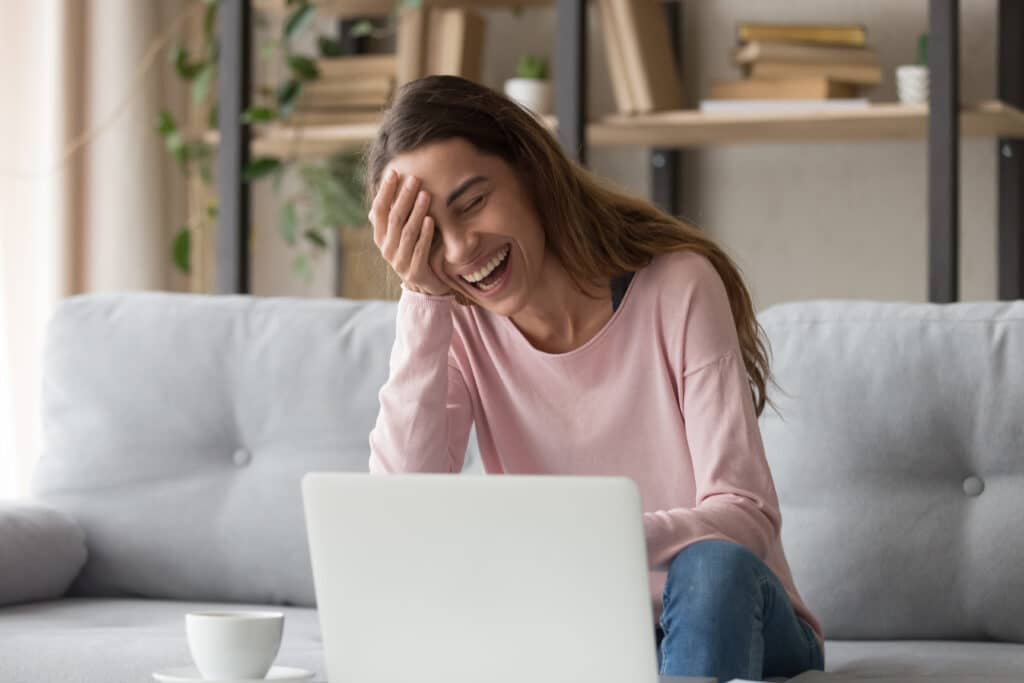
x: 234, y: 644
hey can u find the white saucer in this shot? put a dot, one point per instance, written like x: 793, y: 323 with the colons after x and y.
x: 190, y: 674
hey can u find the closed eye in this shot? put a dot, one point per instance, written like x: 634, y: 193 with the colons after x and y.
x: 473, y: 204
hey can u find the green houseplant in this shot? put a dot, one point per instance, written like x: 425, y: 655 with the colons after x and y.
x: 531, y: 87
x: 316, y: 196
x: 912, y: 79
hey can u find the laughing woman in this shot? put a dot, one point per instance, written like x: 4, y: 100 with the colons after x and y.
x: 584, y: 332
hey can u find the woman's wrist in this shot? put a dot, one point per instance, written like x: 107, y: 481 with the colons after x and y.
x: 424, y: 293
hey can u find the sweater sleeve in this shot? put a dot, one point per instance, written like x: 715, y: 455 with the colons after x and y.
x: 735, y: 494
x: 425, y: 411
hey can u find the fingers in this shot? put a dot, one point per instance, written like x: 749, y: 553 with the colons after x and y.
x: 399, y: 215
x: 381, y: 206
x: 405, y: 234
x: 410, y: 232
x: 421, y: 253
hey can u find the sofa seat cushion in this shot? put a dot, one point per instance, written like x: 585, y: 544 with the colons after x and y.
x: 94, y: 640
x: 913, y: 658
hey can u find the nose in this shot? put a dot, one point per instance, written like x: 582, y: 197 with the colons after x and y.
x: 460, y: 247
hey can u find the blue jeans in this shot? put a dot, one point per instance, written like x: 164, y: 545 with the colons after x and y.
x: 727, y: 615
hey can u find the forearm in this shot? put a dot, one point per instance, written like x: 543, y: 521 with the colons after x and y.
x: 424, y: 418
x: 743, y: 519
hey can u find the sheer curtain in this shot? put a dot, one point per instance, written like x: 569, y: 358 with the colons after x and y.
x: 77, y: 214
x: 8, y: 468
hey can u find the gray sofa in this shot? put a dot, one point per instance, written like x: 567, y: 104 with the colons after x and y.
x: 177, y: 428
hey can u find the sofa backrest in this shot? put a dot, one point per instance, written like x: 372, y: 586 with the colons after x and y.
x: 899, y: 463
x: 177, y: 429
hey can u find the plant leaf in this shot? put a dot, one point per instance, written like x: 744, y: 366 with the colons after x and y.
x: 186, y: 69
x: 288, y: 223
x: 201, y: 85
x: 300, y: 266
x: 304, y: 68
x: 181, y: 250
x: 532, y: 66
x: 258, y: 115
x: 361, y: 29
x: 210, y: 19
x: 175, y: 144
x: 269, y: 48
x: 287, y: 95
x: 299, y: 16
x: 316, y: 238
x: 329, y: 47
x: 202, y: 154
x: 165, y: 124
x: 260, y: 168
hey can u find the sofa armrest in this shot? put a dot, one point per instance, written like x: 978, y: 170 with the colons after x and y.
x: 41, y: 552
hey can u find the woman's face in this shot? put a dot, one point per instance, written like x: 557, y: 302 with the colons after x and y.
x: 482, y: 214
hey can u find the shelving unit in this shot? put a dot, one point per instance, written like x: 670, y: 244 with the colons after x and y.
x: 685, y: 129
x: 942, y: 122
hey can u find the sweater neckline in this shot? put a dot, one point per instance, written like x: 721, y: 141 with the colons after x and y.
x: 603, y: 332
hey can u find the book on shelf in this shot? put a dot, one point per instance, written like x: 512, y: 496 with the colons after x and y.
x: 745, y: 106
x: 817, y: 34
x: 861, y: 74
x: 357, y: 66
x: 411, y: 43
x: 768, y: 51
x: 348, y: 117
x: 455, y: 42
x: 369, y: 91
x: 621, y: 84
x: 646, y: 55
x: 810, y: 88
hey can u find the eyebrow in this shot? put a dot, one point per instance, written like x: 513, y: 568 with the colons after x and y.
x: 458, y: 191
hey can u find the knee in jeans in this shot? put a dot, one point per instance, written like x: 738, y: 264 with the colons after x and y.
x: 712, y: 563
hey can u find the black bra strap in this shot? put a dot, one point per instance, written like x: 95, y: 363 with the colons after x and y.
x: 619, y: 285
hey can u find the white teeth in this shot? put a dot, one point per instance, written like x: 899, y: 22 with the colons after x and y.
x: 486, y: 270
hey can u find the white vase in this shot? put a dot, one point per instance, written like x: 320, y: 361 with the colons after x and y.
x: 532, y: 93
x: 912, y: 83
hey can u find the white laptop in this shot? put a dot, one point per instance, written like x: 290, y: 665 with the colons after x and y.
x: 431, y: 578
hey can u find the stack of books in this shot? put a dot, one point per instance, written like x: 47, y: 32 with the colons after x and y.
x: 643, y: 70
x: 350, y: 89
x: 801, y: 66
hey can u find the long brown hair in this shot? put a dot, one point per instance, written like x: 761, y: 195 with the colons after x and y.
x: 595, y: 230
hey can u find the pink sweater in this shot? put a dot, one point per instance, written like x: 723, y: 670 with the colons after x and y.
x: 660, y: 394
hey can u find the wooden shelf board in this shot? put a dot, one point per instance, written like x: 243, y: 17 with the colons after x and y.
x: 689, y: 128
x: 358, y: 8
x: 313, y: 141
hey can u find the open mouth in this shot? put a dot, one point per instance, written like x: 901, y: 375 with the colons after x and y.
x: 488, y: 277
